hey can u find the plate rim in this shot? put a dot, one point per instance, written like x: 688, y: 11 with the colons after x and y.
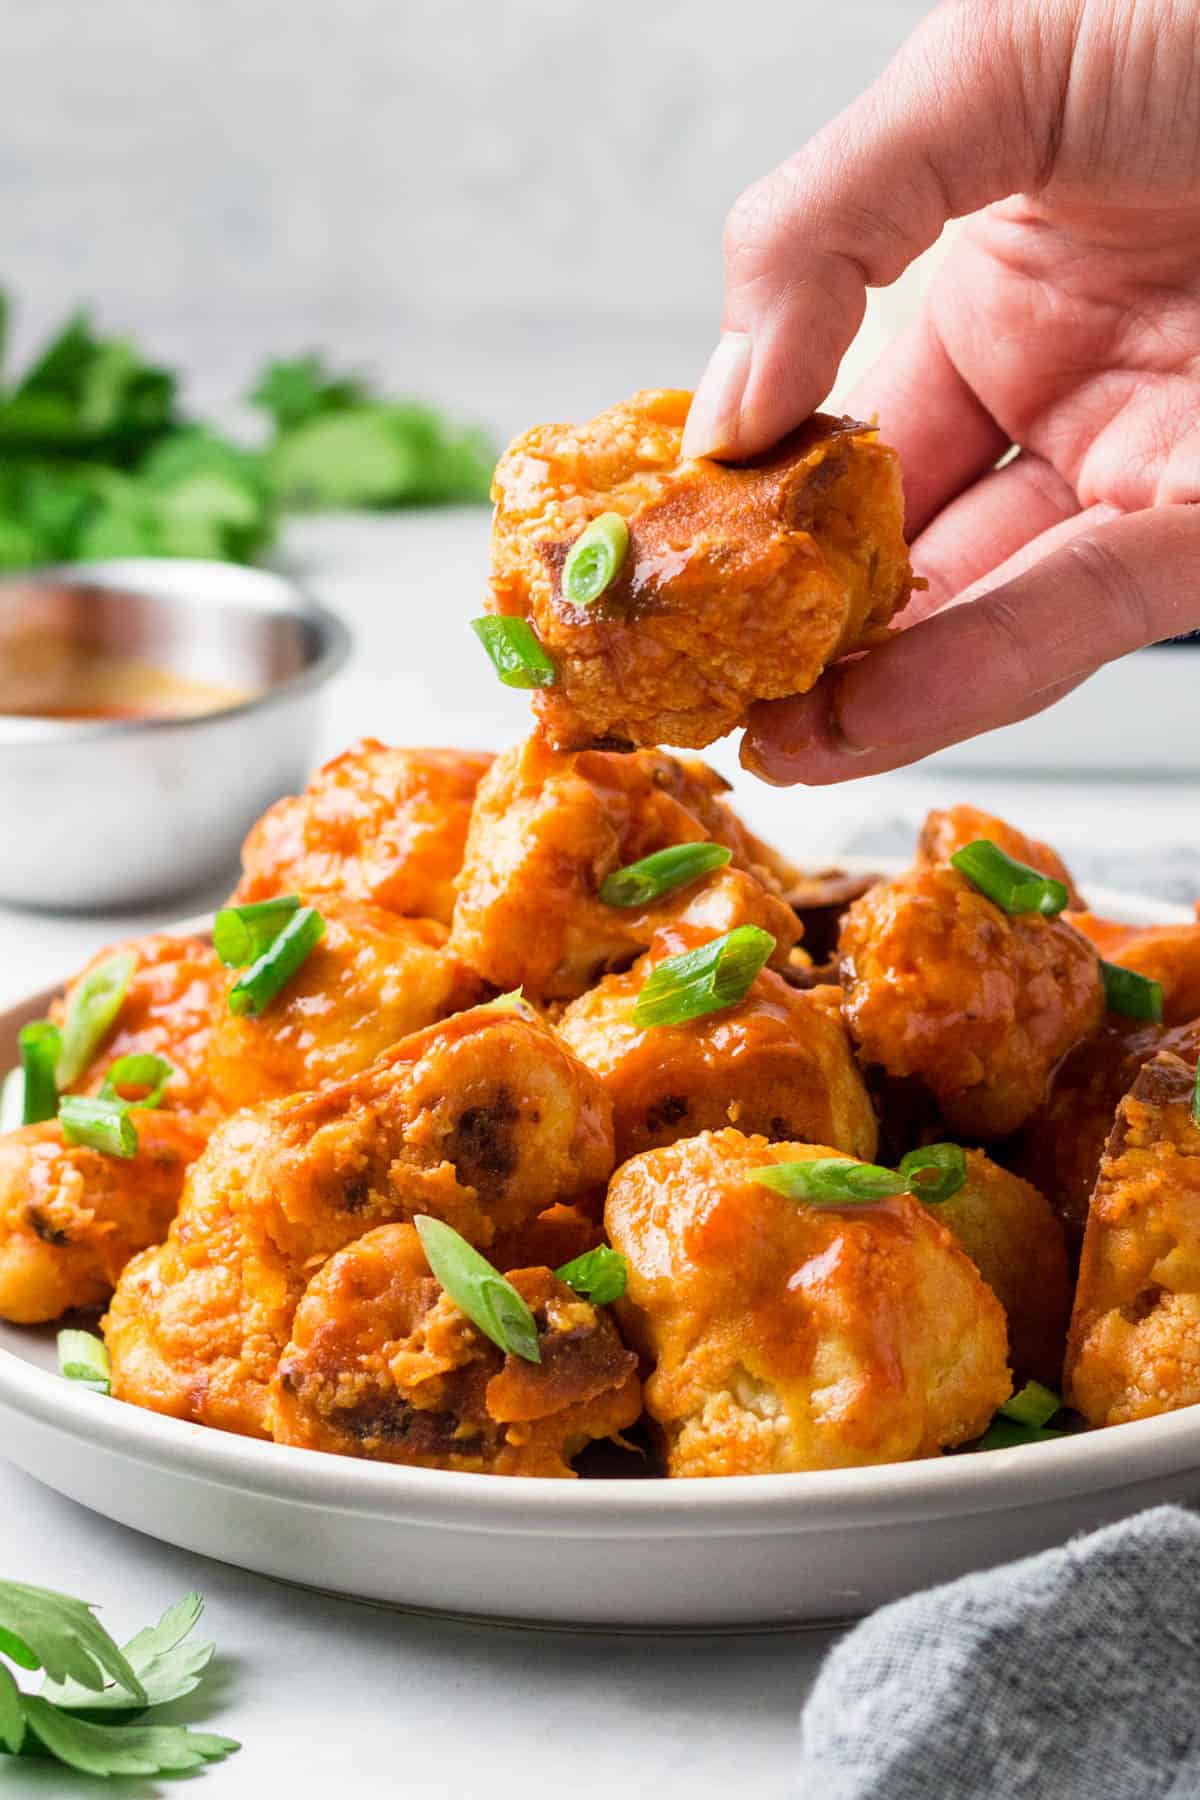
x: 801, y: 1501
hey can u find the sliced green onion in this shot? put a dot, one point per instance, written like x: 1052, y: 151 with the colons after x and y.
x: 1035, y: 1404
x: 143, y: 1071
x: 1014, y: 886
x: 479, y: 1290
x: 254, y: 991
x: 1125, y: 991
x: 99, y: 1124
x: 934, y: 1173
x: 600, y: 1275
x: 654, y: 876
x: 84, y: 1357
x: 12, y: 1100
x: 41, y: 1046
x: 595, y: 558
x: 512, y: 1002
x: 517, y: 656
x: 242, y: 933
x: 704, y: 980
x: 1007, y: 1434
x: 830, y: 1181
x: 91, y: 1010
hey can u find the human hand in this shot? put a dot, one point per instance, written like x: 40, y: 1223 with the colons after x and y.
x: 1066, y: 321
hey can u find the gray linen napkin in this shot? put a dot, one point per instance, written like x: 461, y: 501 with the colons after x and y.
x: 1072, y: 1675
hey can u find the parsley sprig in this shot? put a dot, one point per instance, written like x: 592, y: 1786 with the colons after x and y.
x: 93, y: 1688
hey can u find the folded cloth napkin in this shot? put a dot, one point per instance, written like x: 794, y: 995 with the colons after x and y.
x: 1073, y: 1675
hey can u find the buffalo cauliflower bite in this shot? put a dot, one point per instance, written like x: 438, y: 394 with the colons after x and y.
x: 742, y: 582
x: 1011, y: 1235
x: 785, y: 1336
x: 1134, y: 1347
x: 382, y: 1364
x: 1168, y: 954
x: 377, y: 824
x: 1063, y: 1142
x: 779, y: 1063
x: 546, y: 830
x: 373, y: 979
x: 941, y: 984
x: 945, y: 832
x: 70, y: 1217
x: 484, y: 1120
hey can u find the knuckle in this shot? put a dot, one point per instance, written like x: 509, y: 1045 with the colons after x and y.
x: 1116, y: 586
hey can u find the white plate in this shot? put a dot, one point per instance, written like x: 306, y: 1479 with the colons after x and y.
x: 747, y: 1551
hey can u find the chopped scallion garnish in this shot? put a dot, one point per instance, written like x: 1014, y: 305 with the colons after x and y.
x: 516, y: 654
x: 242, y: 933
x: 595, y: 558
x: 1014, y: 886
x: 1034, y: 1404
x: 99, y: 1124
x: 702, y: 981
x: 479, y: 1290
x: 600, y: 1275
x: 84, y: 1357
x: 254, y: 991
x: 144, y: 1071
x: 1127, y: 992
x: 934, y: 1173
x: 1007, y: 1434
x: 41, y: 1046
x: 91, y: 1011
x: 641, y: 883
x: 830, y: 1181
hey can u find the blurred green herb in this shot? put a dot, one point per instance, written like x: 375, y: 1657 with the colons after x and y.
x: 97, y: 461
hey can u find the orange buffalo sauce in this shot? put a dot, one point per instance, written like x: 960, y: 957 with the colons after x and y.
x: 76, y: 682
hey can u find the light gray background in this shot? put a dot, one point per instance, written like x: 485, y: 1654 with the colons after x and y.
x: 512, y: 205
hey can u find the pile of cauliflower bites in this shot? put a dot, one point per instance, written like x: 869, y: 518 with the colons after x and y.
x: 471, y: 1042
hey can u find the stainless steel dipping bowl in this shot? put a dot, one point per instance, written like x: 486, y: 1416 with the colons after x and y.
x: 97, y: 814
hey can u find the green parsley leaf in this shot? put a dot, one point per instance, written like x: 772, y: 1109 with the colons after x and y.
x: 378, y: 455
x: 301, y: 388
x: 166, y: 1666
x: 122, y: 1749
x: 40, y: 1628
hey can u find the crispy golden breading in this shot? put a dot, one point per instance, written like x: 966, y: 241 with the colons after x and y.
x: 484, y: 1120
x: 1012, y: 1236
x: 1135, y: 1333
x: 945, y: 832
x: 1169, y: 954
x: 382, y: 1364
x: 1063, y: 1142
x: 548, y: 827
x: 742, y: 582
x: 376, y: 824
x: 779, y: 1064
x: 792, y: 1337
x: 554, y: 1237
x: 71, y: 1217
x: 373, y: 979
x: 942, y: 984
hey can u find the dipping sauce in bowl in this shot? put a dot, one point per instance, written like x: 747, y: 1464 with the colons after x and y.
x: 50, y: 677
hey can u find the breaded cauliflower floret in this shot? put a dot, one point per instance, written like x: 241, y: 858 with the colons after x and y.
x: 780, y: 1063
x: 1135, y: 1333
x: 1012, y: 1236
x: 485, y: 1121
x: 382, y: 1364
x: 1169, y: 954
x: 548, y: 827
x: 742, y: 582
x: 941, y: 984
x: 787, y: 1336
x: 945, y: 832
x: 376, y: 824
x: 373, y: 978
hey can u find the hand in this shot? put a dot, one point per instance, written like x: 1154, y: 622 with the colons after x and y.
x: 1066, y: 322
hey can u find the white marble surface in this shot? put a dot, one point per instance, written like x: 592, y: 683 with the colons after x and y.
x: 324, y: 1692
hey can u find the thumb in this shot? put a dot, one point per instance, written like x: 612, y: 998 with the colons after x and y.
x: 968, y: 112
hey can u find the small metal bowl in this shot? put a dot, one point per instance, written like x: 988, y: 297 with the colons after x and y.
x: 98, y: 814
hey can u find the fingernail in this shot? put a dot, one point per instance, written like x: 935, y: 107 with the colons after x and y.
x: 712, y: 423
